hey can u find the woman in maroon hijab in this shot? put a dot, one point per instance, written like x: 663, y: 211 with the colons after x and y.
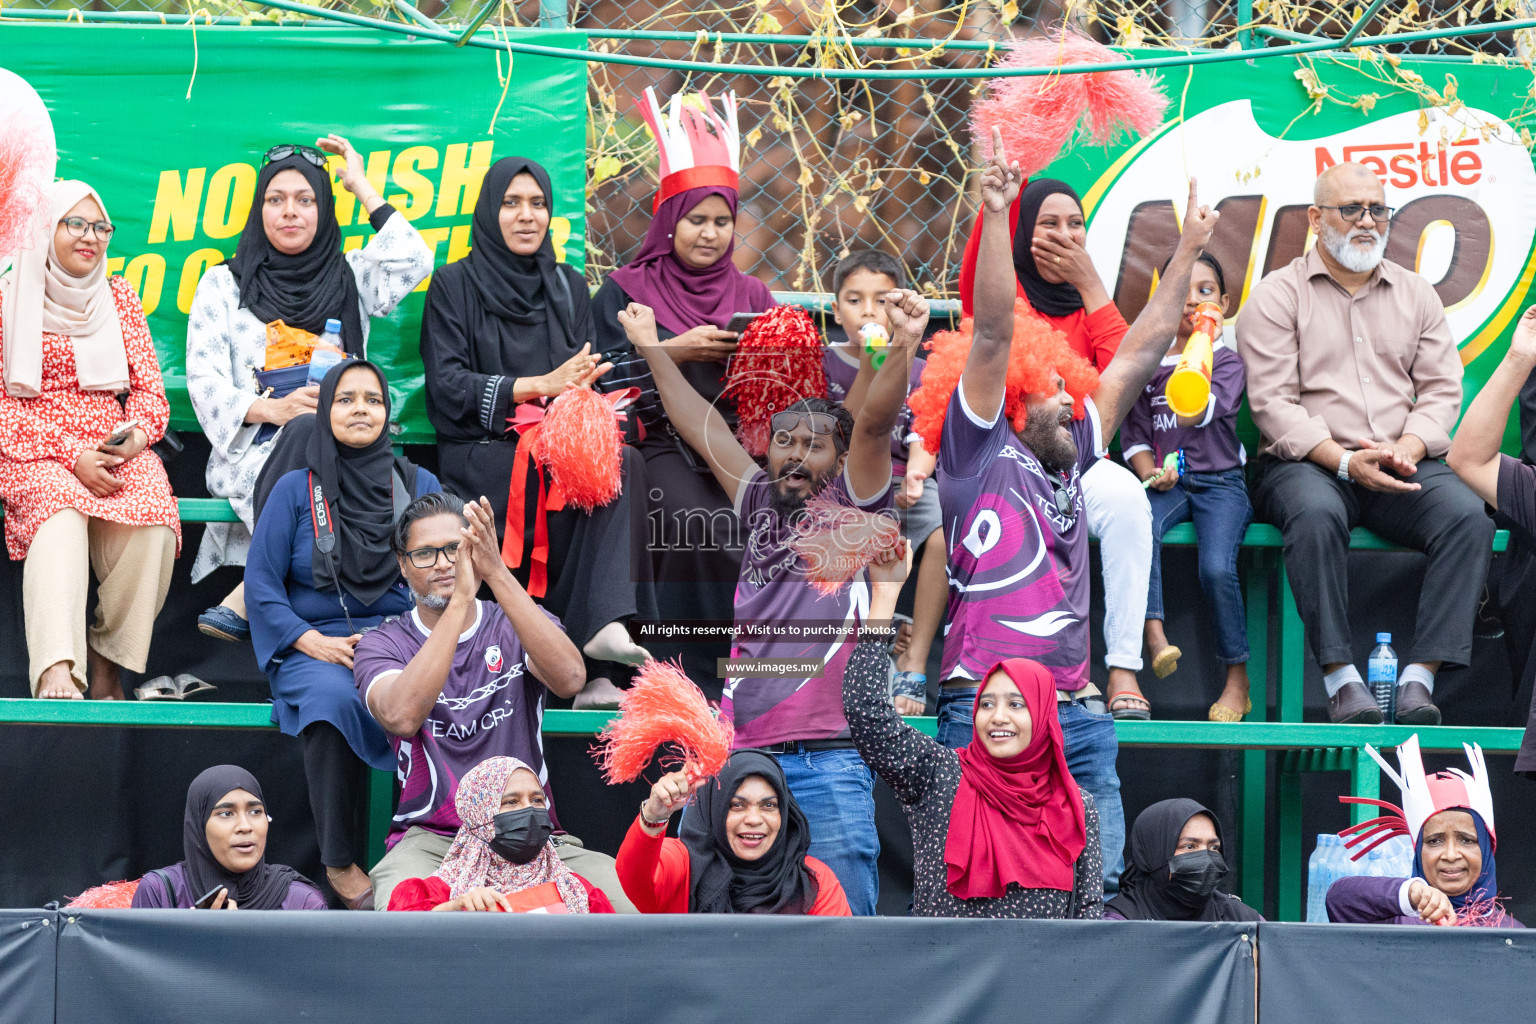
x: 999, y: 828
x: 684, y: 271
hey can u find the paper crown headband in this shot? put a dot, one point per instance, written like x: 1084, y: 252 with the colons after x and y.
x: 691, y: 155
x: 1424, y: 796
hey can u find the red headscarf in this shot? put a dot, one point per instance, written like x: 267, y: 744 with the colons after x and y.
x: 1020, y: 819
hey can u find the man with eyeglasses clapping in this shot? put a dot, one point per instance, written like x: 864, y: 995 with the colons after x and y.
x: 1354, y: 382
x: 457, y: 680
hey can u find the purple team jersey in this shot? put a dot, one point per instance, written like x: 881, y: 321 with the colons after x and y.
x: 1018, y: 568
x: 1211, y: 445
x: 840, y: 374
x: 490, y: 706
x: 772, y: 596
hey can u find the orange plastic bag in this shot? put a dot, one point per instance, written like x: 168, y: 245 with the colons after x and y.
x: 288, y: 346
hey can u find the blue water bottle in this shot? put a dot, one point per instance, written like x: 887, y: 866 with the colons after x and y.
x: 328, y: 351
x: 1381, y: 671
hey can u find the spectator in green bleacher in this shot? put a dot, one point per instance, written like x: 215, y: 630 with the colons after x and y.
x: 503, y: 331
x: 1354, y: 382
x: 1177, y: 863
x: 288, y: 265
x: 224, y: 854
x: 82, y: 403
x: 459, y: 681
x: 321, y: 572
x: 1506, y: 483
x: 1203, y: 484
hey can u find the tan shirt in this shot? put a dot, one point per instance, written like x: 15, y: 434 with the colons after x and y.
x: 1377, y: 364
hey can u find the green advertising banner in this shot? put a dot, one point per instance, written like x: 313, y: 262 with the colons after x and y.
x: 170, y: 124
x: 1255, y: 136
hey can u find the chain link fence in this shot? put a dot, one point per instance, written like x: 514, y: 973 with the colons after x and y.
x: 834, y: 165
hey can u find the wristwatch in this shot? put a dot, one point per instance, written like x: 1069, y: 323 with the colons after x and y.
x: 1343, y: 471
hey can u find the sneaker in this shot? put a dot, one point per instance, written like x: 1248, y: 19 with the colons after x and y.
x: 1353, y: 705
x: 223, y: 624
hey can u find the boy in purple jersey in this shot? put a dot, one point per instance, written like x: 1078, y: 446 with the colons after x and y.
x: 1013, y: 505
x: 457, y: 680
x: 818, y: 447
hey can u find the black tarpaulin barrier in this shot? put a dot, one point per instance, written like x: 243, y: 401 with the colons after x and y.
x: 126, y: 967
x: 27, y: 960
x: 1398, y: 973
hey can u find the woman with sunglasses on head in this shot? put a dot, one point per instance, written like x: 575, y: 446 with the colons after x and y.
x: 82, y: 400
x: 321, y: 571
x: 288, y: 265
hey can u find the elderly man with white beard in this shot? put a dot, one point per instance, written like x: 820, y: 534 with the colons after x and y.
x: 1355, y: 383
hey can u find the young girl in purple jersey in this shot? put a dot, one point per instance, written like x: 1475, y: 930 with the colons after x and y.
x: 1204, y: 484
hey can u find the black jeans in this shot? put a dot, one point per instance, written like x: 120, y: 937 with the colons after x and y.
x: 1315, y: 511
x: 337, y: 778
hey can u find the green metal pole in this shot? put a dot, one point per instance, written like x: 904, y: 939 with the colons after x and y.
x: 1245, y: 38
x: 1289, y: 864
x: 1255, y: 763
x: 554, y: 14
x: 381, y: 808
x: 1364, y: 780
x: 1292, y: 649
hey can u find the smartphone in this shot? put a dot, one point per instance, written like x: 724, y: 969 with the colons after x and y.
x: 209, y: 897
x: 122, y: 433
x: 741, y: 321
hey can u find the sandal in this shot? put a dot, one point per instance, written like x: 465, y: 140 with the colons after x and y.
x: 1221, y: 713
x: 1166, y: 661
x: 158, y: 688
x: 1141, y: 714
x: 188, y: 686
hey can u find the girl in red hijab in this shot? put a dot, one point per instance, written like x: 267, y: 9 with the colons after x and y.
x: 999, y: 828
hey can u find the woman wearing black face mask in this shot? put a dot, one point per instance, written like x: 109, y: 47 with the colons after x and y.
x: 502, y: 857
x: 1175, y: 866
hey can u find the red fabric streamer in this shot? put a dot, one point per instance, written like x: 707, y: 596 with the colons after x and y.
x: 1037, y: 350
x: 838, y: 542
x: 112, y: 896
x: 778, y: 361
x: 663, y: 706
x: 581, y: 444
x: 1038, y: 116
x: 578, y: 461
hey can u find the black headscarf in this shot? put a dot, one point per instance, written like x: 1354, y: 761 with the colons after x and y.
x: 306, y: 289
x: 1144, y: 895
x: 1045, y: 297
x: 722, y: 883
x: 359, y: 488
x: 538, y: 318
x: 265, y: 886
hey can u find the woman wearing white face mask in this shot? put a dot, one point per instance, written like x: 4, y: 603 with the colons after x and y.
x: 82, y: 401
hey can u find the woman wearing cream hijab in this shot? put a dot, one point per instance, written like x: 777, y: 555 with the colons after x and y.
x: 78, y: 364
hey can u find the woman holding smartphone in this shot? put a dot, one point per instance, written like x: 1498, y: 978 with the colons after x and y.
x: 79, y: 371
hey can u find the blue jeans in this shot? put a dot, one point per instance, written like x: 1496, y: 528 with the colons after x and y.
x: 836, y: 791
x: 1218, y: 505
x: 1091, y: 747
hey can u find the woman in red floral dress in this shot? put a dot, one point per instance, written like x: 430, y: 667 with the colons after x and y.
x: 78, y: 363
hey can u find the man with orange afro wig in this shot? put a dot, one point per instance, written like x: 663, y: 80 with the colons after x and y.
x: 1017, y: 417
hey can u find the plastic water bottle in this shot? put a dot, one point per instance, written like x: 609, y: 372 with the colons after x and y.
x: 328, y: 352
x: 1322, y: 871
x: 1381, y: 670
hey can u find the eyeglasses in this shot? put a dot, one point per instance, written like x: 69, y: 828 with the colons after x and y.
x: 1351, y: 211
x: 287, y: 150
x: 426, y: 558
x: 784, y: 424
x: 78, y: 226
x: 1065, y: 506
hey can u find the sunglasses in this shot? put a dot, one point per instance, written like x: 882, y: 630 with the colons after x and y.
x: 1065, y: 506
x: 816, y: 422
x: 287, y: 150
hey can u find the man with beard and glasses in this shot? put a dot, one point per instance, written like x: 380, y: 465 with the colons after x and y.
x: 818, y: 448
x: 457, y: 680
x: 1011, y: 459
x: 1354, y: 382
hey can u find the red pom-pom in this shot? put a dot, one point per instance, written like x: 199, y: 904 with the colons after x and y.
x: 580, y: 444
x: 112, y: 896
x: 1039, y: 115
x: 1036, y: 351
x: 663, y: 706
x: 838, y: 542
x: 777, y: 362
x: 27, y: 160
